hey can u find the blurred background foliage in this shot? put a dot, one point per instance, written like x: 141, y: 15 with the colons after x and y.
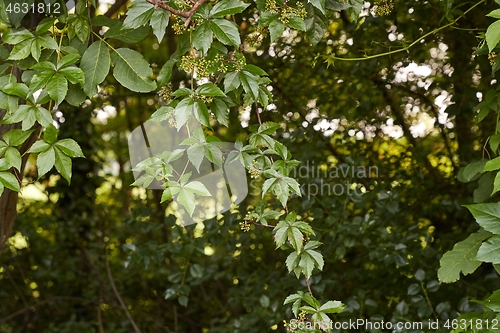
x: 408, y: 118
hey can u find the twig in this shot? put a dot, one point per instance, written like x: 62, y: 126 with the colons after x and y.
x: 117, y: 294
x: 263, y: 225
x: 187, y: 15
x: 309, y: 287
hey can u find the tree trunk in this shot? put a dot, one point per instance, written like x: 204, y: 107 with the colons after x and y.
x: 8, y: 200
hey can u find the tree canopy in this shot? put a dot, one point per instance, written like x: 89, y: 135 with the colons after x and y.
x: 369, y: 132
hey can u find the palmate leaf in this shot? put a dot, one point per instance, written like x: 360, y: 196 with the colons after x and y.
x: 462, y: 258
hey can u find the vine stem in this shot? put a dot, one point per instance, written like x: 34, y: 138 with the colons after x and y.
x: 406, y: 48
x: 309, y: 287
x: 117, y: 294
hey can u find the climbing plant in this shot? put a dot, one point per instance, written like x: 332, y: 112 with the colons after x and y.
x: 52, y: 54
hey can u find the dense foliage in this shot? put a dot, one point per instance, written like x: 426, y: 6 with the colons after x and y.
x: 389, y: 109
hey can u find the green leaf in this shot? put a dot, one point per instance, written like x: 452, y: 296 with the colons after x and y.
x: 201, y: 114
x: 203, y: 37
x: 132, y: 71
x: 13, y: 157
x: 268, y: 128
x: 21, y: 50
x: 95, y: 65
x: 45, y: 25
x: 231, y: 81
x: 472, y: 169
x: 163, y: 113
x: 16, y: 36
x: 496, y: 184
x: 197, y: 188
x: 43, y: 116
x: 493, y: 35
x: 493, y: 302
x: 45, y: 161
x: 210, y: 89
x: 47, y: 42
x: 169, y: 192
x: 36, y: 50
x: 16, y: 89
x: 492, y: 165
x: 39, y: 146
x: 3, y: 148
x: 196, y: 153
x: 462, y: 259
x: 63, y: 164
x: 74, y: 75
x: 186, y: 199
x: 57, y: 87
x: 487, y: 215
x: 332, y: 307
x: 183, y: 111
x: 318, y: 258
x: 40, y: 80
x: 44, y: 66
x: 67, y: 60
x: 213, y: 153
x: 16, y: 137
x: 138, y: 14
x: 494, y: 14
x: 228, y: 7
x: 495, y: 142
x: 226, y: 32
x: 264, y: 301
x: 307, y: 264
x: 165, y: 73
x: 50, y: 134
x: 10, y: 181
x: 221, y: 111
x: 181, y: 92
x: 292, y: 261
x: 127, y: 35
x: 276, y: 29
x: 490, y: 250
x: 297, y: 23
x: 268, y: 184
x: 316, y: 25
x: 82, y: 29
x: 183, y: 300
x: 70, y: 148
x: 319, y: 4
x: 250, y: 84
x: 159, y: 23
